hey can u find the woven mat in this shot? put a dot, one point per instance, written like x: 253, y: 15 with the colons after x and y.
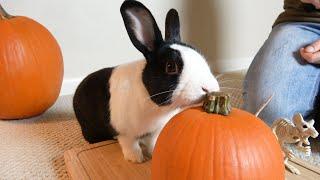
x: 33, y: 148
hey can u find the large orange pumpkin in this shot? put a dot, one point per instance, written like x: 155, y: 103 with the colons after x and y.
x: 196, y: 145
x: 31, y: 67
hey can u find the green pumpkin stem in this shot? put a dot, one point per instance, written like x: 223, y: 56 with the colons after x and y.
x: 4, y: 14
x: 217, y: 103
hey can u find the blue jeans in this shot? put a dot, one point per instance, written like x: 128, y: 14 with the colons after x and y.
x: 279, y: 69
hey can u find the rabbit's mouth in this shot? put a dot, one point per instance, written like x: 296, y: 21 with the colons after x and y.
x: 191, y: 95
x: 185, y: 101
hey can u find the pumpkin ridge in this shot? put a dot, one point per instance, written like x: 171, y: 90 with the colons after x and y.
x: 233, y: 137
x: 42, y: 31
x: 252, y: 162
x: 176, y: 138
x: 36, y: 38
x: 196, y: 131
x: 28, y: 46
x: 194, y: 124
x: 7, y: 59
x: 258, y: 151
x: 208, y: 130
x: 14, y: 84
x: 217, y: 137
x: 265, y: 140
x: 212, y: 130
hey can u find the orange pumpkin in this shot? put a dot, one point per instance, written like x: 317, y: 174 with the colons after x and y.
x: 31, y: 67
x: 196, y: 145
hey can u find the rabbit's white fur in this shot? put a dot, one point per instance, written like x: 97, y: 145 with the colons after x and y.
x: 134, y: 114
x: 195, y: 75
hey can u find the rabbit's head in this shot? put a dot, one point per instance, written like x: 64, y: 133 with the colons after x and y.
x: 175, y: 72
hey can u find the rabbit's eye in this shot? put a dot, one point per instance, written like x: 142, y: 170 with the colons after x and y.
x: 305, y: 126
x: 171, y: 68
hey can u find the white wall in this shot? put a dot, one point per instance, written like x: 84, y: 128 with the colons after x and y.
x: 92, y: 35
x: 230, y: 32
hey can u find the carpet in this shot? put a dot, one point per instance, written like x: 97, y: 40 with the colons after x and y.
x: 33, y: 148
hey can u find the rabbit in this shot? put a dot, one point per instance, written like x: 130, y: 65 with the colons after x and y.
x: 133, y: 102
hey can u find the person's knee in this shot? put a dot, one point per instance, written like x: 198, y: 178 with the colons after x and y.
x: 286, y: 31
x: 279, y: 48
x: 271, y: 70
x: 279, y: 51
x: 290, y: 37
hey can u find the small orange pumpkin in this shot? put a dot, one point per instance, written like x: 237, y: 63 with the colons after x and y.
x: 198, y: 145
x: 31, y: 67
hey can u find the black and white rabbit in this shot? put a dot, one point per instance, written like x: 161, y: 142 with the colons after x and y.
x: 134, y: 101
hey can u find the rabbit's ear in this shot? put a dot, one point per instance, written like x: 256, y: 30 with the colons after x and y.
x: 172, y: 26
x: 141, y: 26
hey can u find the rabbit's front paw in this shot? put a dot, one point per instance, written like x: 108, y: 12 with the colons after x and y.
x: 131, y: 149
x: 135, y: 156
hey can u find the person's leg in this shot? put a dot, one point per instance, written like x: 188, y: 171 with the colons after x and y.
x: 279, y: 69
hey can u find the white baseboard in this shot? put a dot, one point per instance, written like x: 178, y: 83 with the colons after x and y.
x: 221, y: 66
x: 69, y: 86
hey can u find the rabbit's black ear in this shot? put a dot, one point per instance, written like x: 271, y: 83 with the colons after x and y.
x: 172, y: 26
x: 141, y: 26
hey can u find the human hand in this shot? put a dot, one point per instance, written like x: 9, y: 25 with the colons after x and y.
x: 316, y: 3
x: 311, y: 53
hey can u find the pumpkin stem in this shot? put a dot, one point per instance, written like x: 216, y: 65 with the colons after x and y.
x: 217, y: 103
x: 4, y: 14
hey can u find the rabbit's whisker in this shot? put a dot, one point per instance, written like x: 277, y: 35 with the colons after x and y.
x: 163, y: 92
x: 231, y: 88
x: 218, y: 76
x: 164, y: 102
x: 228, y: 80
